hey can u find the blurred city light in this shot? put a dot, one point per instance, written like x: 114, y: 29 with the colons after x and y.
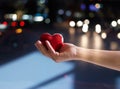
x: 86, y: 21
x: 85, y: 28
x: 118, y: 21
x: 18, y: 31
x: 47, y: 20
x: 22, y: 23
x: 14, y: 17
x: 2, y: 27
x: 79, y: 23
x: 41, y: 1
x: 14, y: 24
x: 5, y: 23
x: 11, y: 16
x: 97, y: 5
x: 68, y: 13
x: 38, y: 18
x: 83, y: 6
x: 118, y: 35
x: 77, y: 14
x: 60, y: 11
x: 27, y: 17
x: 72, y: 24
x: 93, y: 8
x: 103, y: 35
x: 114, y: 23
x: 98, y: 28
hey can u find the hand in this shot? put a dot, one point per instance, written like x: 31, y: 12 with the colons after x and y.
x: 67, y: 52
x: 70, y: 51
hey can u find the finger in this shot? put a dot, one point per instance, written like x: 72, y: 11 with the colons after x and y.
x: 41, y: 48
x: 50, y: 48
x: 54, y: 55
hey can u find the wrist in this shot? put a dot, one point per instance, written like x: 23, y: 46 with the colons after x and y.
x: 82, y: 53
x: 78, y: 54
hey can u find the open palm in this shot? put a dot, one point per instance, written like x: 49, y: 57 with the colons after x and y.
x: 67, y: 51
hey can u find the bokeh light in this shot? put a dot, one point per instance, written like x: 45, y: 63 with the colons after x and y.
x: 85, y: 28
x: 118, y: 21
x: 104, y: 35
x: 47, y: 21
x: 22, y: 23
x: 79, y: 23
x: 97, y: 5
x: 72, y: 24
x: 60, y: 11
x: 118, y: 35
x: 14, y: 17
x: 114, y: 23
x: 3, y: 27
x: 98, y: 28
x: 14, y: 24
x: 38, y: 18
x: 87, y: 21
x: 68, y: 13
x: 93, y: 8
x: 18, y: 31
x: 5, y: 23
x: 83, y: 6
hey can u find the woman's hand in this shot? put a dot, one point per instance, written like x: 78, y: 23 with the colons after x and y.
x: 67, y: 52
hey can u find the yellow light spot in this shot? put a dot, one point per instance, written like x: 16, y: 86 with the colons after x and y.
x: 18, y: 31
x: 97, y: 5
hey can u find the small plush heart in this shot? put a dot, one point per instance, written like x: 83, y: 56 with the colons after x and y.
x: 56, y: 40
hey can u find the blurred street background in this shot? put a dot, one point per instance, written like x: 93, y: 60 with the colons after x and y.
x: 91, y: 24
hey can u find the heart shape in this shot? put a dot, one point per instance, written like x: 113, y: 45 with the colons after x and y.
x: 56, y: 40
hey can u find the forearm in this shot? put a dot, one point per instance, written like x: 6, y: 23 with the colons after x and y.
x: 109, y: 59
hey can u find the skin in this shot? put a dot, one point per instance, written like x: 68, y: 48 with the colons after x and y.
x: 104, y: 58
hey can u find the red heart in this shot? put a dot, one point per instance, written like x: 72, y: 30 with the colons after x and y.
x: 56, y: 40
